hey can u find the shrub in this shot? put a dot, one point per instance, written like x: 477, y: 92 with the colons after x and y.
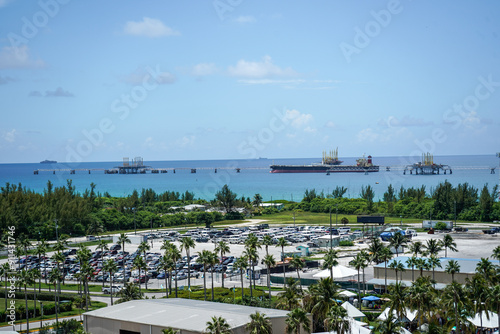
x: 346, y: 243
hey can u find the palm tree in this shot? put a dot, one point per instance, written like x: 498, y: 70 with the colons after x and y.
x: 283, y: 243
x: 213, y: 260
x: 259, y: 324
x: 397, y: 300
x: 241, y: 264
x: 59, y: 258
x: 477, y: 290
x: 454, y: 301
x: 83, y: 255
x: 297, y: 263
x: 297, y: 319
x: 290, y: 298
x: 204, y: 259
x: 416, y: 248
x: 129, y: 292
x: 376, y: 251
x: 421, y: 297
x: 493, y: 301
x: 222, y: 248
x: 434, y: 262
x: 140, y: 264
x: 398, y: 266
x: 448, y: 243
x: 496, y: 253
x: 421, y: 264
x: 322, y: 296
x: 41, y: 250
x: 331, y: 260
x: 35, y: 273
x: 122, y: 240
x: 167, y: 264
x: 170, y: 330
x: 397, y: 241
x: 411, y: 262
x: 267, y: 241
x: 389, y: 326
x: 103, y: 247
x: 24, y: 279
x: 110, y: 267
x: 54, y: 278
x: 269, y: 261
x: 86, y: 271
x: 252, y: 256
x: 337, y: 320
x: 452, y: 268
x: 433, y: 247
x: 186, y: 244
x: 218, y: 325
x: 366, y: 260
x: 4, y: 270
x: 385, y: 255
x: 175, y: 255
x: 143, y: 248
x: 486, y: 268
x: 358, y: 263
x: 252, y: 242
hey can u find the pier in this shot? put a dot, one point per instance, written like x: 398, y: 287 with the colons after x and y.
x: 427, y: 166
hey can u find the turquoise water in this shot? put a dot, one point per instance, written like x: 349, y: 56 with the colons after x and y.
x: 256, y: 179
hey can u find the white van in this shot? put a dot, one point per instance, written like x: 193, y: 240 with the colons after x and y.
x: 344, y: 230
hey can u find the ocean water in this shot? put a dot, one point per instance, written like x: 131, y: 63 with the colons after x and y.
x: 254, y: 177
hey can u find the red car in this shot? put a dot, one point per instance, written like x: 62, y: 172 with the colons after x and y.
x: 143, y: 279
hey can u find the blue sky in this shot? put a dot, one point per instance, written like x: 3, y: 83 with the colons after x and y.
x: 239, y: 79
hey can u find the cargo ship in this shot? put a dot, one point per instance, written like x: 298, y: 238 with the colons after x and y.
x: 363, y: 165
x: 48, y: 162
x: 329, y: 164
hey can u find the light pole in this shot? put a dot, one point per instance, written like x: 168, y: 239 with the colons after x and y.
x: 336, y: 214
x: 41, y: 319
x: 293, y: 219
x: 401, y: 221
x: 331, y: 233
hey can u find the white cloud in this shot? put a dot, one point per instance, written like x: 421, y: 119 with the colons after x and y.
x: 204, y: 69
x: 140, y: 75
x: 406, y: 121
x: 367, y: 135
x: 271, y: 81
x: 18, y: 57
x: 298, y: 119
x: 471, y: 120
x: 59, y: 92
x: 149, y: 27
x: 309, y: 129
x: 245, y: 19
x: 10, y: 136
x: 185, y: 141
x: 263, y: 69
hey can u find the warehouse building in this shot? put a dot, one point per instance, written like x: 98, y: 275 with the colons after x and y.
x: 150, y: 316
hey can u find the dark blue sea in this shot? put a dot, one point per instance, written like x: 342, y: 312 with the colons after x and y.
x: 254, y: 176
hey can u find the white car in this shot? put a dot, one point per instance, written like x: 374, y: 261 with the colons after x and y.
x: 112, y: 289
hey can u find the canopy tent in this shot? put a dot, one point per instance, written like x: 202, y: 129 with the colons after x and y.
x: 371, y: 298
x: 352, y: 311
x: 339, y: 271
x: 356, y: 328
x: 347, y: 293
x: 409, y: 314
x: 492, y: 322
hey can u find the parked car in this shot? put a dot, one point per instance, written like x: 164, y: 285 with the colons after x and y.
x: 143, y: 279
x: 111, y: 289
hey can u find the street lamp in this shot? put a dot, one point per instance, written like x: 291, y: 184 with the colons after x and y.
x: 41, y: 319
x: 401, y: 221
x: 331, y: 233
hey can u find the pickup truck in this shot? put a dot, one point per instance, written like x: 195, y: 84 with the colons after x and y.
x: 492, y: 230
x: 109, y: 289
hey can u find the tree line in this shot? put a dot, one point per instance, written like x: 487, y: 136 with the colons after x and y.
x: 445, y: 202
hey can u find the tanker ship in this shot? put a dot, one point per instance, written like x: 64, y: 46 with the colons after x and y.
x: 329, y: 164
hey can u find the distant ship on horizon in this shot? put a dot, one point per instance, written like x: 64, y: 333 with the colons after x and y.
x: 48, y: 162
x: 330, y: 160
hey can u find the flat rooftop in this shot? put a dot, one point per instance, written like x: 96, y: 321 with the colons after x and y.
x: 179, y: 313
